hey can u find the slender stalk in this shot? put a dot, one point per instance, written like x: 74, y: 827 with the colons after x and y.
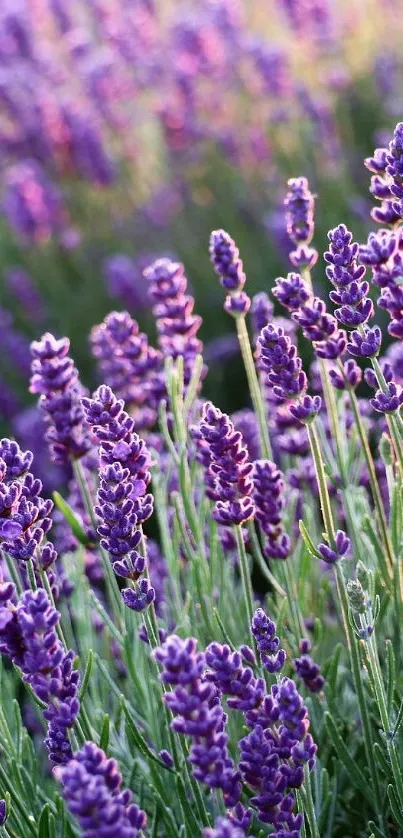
x: 309, y: 806
x: 353, y: 649
x: 254, y: 388
x: 383, y: 712
x: 394, y: 420
x: 111, y: 582
x: 246, y: 580
x: 376, y: 495
x: 350, y: 634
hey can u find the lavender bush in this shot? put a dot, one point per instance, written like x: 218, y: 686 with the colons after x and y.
x: 201, y: 633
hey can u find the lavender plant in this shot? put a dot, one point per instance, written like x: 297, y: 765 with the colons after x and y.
x: 215, y: 649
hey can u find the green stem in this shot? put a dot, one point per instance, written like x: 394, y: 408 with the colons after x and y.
x: 394, y: 420
x: 111, y: 582
x: 383, y: 712
x: 254, y: 388
x: 246, y: 581
x: 322, y: 484
x: 352, y: 644
x: 309, y: 806
x: 376, y: 495
x: 350, y: 634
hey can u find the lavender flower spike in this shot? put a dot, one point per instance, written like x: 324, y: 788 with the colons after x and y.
x: 224, y: 255
x: 28, y: 636
x: 92, y: 790
x: 278, y: 358
x: 228, y: 467
x: 55, y: 378
x: 299, y: 204
x: 264, y: 632
x: 198, y: 715
x: 268, y: 495
x: 123, y: 504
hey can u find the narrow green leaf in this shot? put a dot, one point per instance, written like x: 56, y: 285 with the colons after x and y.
x: 372, y: 535
x: 377, y: 833
x: 381, y: 759
x: 87, y: 674
x: 104, y: 736
x: 390, y: 673
x: 395, y: 806
x: 399, y: 720
x: 310, y: 546
x: 350, y: 765
x: 43, y: 824
x: 71, y: 518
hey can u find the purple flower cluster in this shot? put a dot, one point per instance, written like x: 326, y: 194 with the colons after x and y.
x: 278, y: 358
x: 92, y: 790
x: 268, y: 644
x: 229, y: 471
x: 307, y: 669
x: 55, y: 378
x: 387, y: 180
x: 274, y: 752
x: 224, y: 828
x: 355, y: 307
x: 32, y: 204
x: 224, y: 255
x: 268, y: 496
x: 128, y: 365
x: 383, y: 253
x: 341, y: 546
x: 28, y: 636
x: 24, y: 515
x: 123, y: 505
x: 177, y: 325
x: 299, y: 204
x: 351, y: 294
x: 310, y: 313
x: 198, y: 713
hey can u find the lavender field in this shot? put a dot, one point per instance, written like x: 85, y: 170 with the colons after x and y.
x: 201, y: 425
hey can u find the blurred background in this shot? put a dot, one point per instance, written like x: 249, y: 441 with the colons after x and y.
x: 129, y: 129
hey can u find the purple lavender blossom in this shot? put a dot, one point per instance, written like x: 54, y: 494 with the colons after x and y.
x: 28, y: 636
x: 268, y: 644
x: 198, y: 715
x: 307, y: 669
x: 366, y: 345
x: 299, y: 204
x: 3, y: 812
x: 246, y: 423
x: 278, y: 358
x: 92, y: 790
x: 24, y: 515
x: 33, y: 204
x: 228, y: 466
x: 233, y: 679
x: 55, y: 378
x: 307, y: 409
x: 291, y: 291
x: 261, y: 311
x: 332, y: 554
x: 24, y: 290
x: 128, y: 365
x: 388, y: 402
x: 177, y: 325
x: 124, y: 281
x: 224, y: 255
x: 224, y: 828
x: 228, y: 266
x: 123, y: 505
x: 349, y: 378
x: 355, y: 308
x: 268, y: 496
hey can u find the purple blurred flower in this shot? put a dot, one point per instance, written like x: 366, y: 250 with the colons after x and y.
x: 307, y: 669
x: 124, y: 280
x: 268, y: 496
x: 55, y: 378
x: 24, y: 290
x: 224, y: 828
x: 32, y: 203
x: 299, y: 205
x: 92, y: 790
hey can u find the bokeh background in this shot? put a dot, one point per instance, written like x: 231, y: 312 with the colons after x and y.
x: 130, y: 129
